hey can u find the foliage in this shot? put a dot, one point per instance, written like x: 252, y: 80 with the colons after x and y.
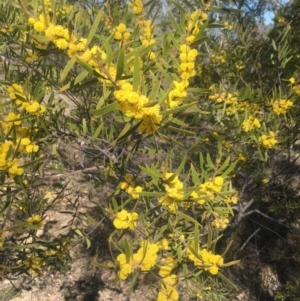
x: 169, y: 118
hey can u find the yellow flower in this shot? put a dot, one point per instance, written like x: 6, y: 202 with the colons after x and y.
x: 281, y: 106
x: 218, y: 181
x: 268, y: 141
x: 164, y: 244
x: 33, y: 262
x: 292, y: 80
x: 32, y: 148
x: 31, y: 21
x: 241, y: 157
x: 125, y: 220
x: 152, y: 56
x: 36, y: 220
x: 61, y: 43
x: 144, y: 259
x: 250, y: 124
x: 25, y: 141
x: 11, y: 117
x: 168, y: 264
x: 13, y: 168
x: 39, y: 26
x: 168, y: 290
x: 137, y: 6
x: 221, y: 223
x: 118, y: 35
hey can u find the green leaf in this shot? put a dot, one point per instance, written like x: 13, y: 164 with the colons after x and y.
x: 166, y: 47
x: 209, y: 161
x: 165, y: 74
x: 180, y: 130
x: 94, y: 28
x: 209, y: 237
x: 178, y: 109
x: 179, y: 253
x: 197, y: 41
x: 67, y: 69
x: 214, y: 25
x: 174, y: 40
x: 128, y: 250
x: 181, y: 166
x: 41, y: 39
x: 225, y: 10
x: 227, y: 281
x: 224, y: 165
x: 230, y: 169
x: 196, y: 238
x: 76, y: 81
x: 195, y: 177
x: 120, y: 64
x: 98, y: 131
x: 127, y: 131
x: 88, y: 243
x: 175, y: 25
x: 108, y: 51
x: 151, y: 194
x: 78, y: 232
x: 84, y: 65
x: 84, y: 127
x: 274, y: 45
x: 178, y: 122
x: 154, y: 174
x: 105, y: 110
x: 187, y: 217
x: 136, y: 73
x: 155, y: 88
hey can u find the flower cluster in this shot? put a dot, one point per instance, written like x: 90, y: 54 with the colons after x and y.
x: 167, y: 291
x: 207, y: 190
x: 125, y: 220
x: 187, y: 62
x: 31, y: 57
x: 174, y: 193
x: 233, y: 105
x: 268, y: 141
x: 231, y: 100
x: 2, y: 237
x: 144, y: 259
x: 129, y: 187
x: 219, y: 58
x: 137, y: 6
x: 23, y: 99
x: 186, y: 70
x: 134, y: 105
x: 62, y: 39
x: 168, y: 264
x: 228, y: 26
x: 295, y: 87
x: 250, y: 124
x: 78, y: 47
x: 194, y: 23
x: 206, y: 260
x: 280, y: 106
x: 121, y: 34
x: 146, y: 28
x: 27, y: 146
x: 240, y: 66
x: 36, y: 220
x: 33, y: 264
x: 220, y: 222
x: 12, y: 166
